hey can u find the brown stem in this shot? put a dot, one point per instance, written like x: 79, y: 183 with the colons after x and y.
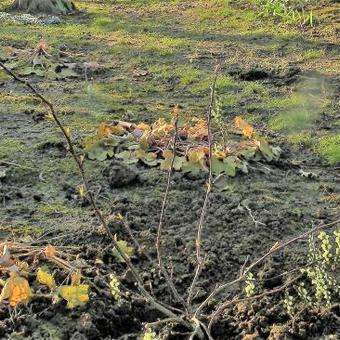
x: 251, y: 298
x: 161, y: 218
x: 99, y: 214
x: 200, y: 259
x: 273, y: 250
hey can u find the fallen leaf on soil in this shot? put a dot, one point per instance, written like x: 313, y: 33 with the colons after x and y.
x: 105, y: 130
x: 74, y: 295
x: 45, y: 278
x: 16, y: 290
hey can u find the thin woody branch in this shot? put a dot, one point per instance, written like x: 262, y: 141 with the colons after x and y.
x: 161, y: 266
x: 99, y: 214
x: 260, y: 260
x: 200, y: 259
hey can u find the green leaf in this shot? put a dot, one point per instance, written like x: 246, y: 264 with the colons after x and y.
x: 196, y: 162
x: 127, y: 156
x: 150, y: 159
x: 266, y: 150
x: 26, y: 71
x: 112, y: 141
x: 99, y: 152
x: 218, y: 166
x: 231, y: 164
x: 166, y: 162
x: 247, y: 153
x: 125, y: 248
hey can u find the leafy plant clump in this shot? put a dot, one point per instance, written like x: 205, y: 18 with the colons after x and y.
x: 41, y: 63
x: 287, y: 11
x: 19, y: 263
x: 152, y: 145
x: 320, y: 284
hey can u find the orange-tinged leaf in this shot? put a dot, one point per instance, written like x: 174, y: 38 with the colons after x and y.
x: 199, y: 130
x: 105, y: 130
x: 142, y: 126
x: 161, y: 128
x: 245, y: 127
x: 45, y: 278
x: 74, y: 295
x: 16, y: 290
x: 50, y: 251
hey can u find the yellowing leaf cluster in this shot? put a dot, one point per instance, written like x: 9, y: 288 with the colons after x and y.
x: 16, y: 288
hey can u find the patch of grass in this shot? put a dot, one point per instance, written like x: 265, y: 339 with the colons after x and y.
x: 283, y: 102
x: 294, y: 120
x: 57, y: 208
x: 22, y: 230
x: 224, y: 82
x: 229, y: 100
x: 255, y: 88
x: 10, y: 147
x: 312, y: 54
x: 303, y: 138
x: 329, y: 148
x: 288, y: 12
x: 188, y: 74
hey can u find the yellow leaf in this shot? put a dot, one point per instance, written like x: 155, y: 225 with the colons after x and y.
x: 45, y: 278
x: 16, y: 290
x: 74, y: 295
x: 99, y: 261
x: 161, y: 128
x: 75, y: 278
x: 245, y: 127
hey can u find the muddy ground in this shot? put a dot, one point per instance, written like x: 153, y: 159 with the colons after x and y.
x: 151, y: 56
